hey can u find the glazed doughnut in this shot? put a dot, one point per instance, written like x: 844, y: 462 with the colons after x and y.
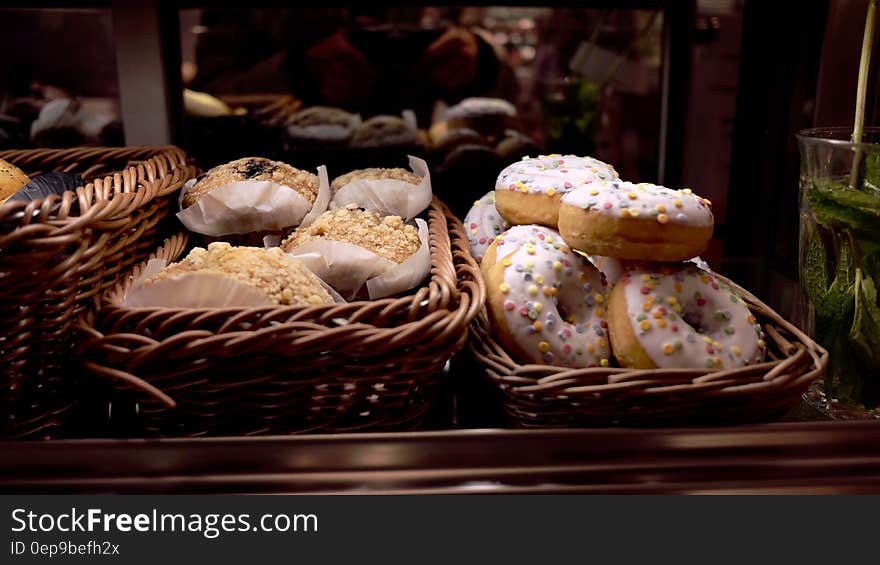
x: 643, y: 222
x: 681, y: 317
x: 529, y: 191
x: 548, y: 304
x: 483, y: 224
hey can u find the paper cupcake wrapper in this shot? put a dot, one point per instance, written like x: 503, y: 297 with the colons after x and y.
x: 198, y: 290
x: 348, y: 267
x: 389, y: 197
x: 192, y: 290
x: 252, y: 206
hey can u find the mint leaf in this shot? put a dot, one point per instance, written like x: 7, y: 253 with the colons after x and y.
x: 834, y: 311
x: 815, y: 270
x: 865, y: 331
x: 837, y: 205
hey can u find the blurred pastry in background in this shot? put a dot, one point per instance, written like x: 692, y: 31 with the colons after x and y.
x: 385, y: 131
x: 472, y: 157
x: 322, y: 124
x: 442, y: 145
x: 67, y: 122
x: 489, y: 116
x: 515, y: 145
x: 203, y: 105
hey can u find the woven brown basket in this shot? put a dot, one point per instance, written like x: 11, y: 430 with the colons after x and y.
x: 57, y: 255
x: 356, y: 366
x: 542, y: 396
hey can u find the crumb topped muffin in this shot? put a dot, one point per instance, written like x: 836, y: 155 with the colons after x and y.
x: 257, y: 169
x: 283, y: 279
x: 388, y: 237
x: 375, y: 174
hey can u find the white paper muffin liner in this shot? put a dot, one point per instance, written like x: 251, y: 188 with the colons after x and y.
x: 389, y: 197
x: 197, y: 290
x: 348, y: 267
x: 251, y: 206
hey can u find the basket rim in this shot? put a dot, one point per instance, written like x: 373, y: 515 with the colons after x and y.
x: 159, y: 171
x: 522, y: 379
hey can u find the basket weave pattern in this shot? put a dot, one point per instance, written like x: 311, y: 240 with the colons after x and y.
x: 539, y: 396
x: 342, y: 367
x: 57, y: 255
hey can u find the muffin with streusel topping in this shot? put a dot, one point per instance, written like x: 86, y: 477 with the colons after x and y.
x: 388, y: 237
x: 279, y: 277
x: 254, y: 169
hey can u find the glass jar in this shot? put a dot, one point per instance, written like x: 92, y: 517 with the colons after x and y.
x: 840, y: 266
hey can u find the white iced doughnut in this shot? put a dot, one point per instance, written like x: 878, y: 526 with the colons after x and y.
x: 548, y: 303
x: 640, y: 222
x: 529, y: 191
x: 681, y: 317
x: 483, y: 224
x: 511, y: 240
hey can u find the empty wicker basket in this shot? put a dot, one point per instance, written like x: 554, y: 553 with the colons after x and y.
x: 57, y: 255
x: 366, y: 365
x: 546, y: 396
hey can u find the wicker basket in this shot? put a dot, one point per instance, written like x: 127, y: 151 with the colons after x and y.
x: 356, y: 366
x: 539, y: 396
x: 58, y: 254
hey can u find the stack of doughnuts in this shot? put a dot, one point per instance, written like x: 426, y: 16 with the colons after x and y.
x: 597, y: 271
